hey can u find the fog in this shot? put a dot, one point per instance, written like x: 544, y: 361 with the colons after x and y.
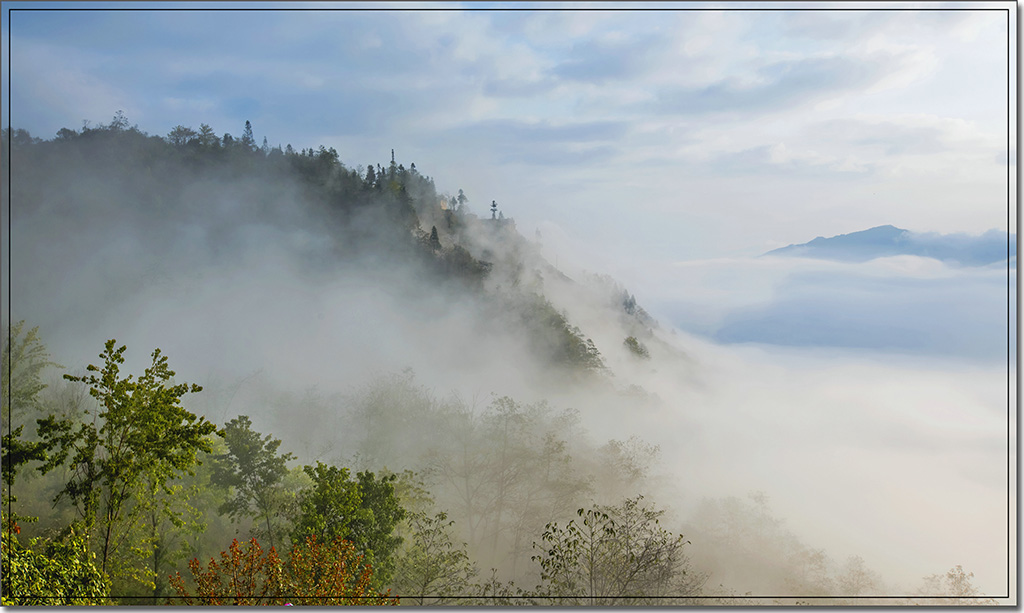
x: 256, y: 292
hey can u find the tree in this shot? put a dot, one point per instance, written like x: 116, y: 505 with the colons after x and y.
x: 637, y: 348
x: 253, y: 469
x: 363, y: 511
x: 119, y: 122
x: 248, y: 141
x: 66, y: 134
x: 371, y: 177
x: 315, y: 573
x: 142, y: 436
x: 327, y: 507
x: 63, y: 574
x: 23, y: 360
x: 181, y: 135
x: 953, y: 588
x: 372, y: 531
x: 435, y: 242
x: 858, y: 580
x: 615, y: 555
x: 207, y: 137
x: 432, y: 570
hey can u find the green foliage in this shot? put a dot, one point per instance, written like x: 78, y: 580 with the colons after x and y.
x: 328, y: 507
x: 637, y: 348
x: 254, y: 471
x: 372, y: 531
x: 364, y: 511
x: 551, y: 334
x: 616, y: 556
x: 141, y: 439
x: 63, y: 574
x: 432, y: 570
x: 17, y: 452
x: 315, y: 573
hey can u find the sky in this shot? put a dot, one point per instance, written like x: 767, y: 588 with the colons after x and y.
x: 642, y: 143
x: 669, y: 134
x: 670, y: 148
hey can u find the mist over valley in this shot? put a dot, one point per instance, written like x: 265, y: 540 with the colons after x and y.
x: 370, y: 319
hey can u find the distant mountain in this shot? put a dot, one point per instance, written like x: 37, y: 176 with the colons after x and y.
x: 885, y: 241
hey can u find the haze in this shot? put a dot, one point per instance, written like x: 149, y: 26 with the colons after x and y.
x: 871, y: 402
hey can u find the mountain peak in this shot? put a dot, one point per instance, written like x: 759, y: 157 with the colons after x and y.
x: 888, y: 240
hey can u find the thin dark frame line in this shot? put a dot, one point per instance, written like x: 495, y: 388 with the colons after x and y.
x: 10, y: 255
x: 1009, y: 310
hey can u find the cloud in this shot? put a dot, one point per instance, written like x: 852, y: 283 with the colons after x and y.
x: 599, y: 61
x: 537, y: 143
x: 903, y: 305
x: 781, y: 85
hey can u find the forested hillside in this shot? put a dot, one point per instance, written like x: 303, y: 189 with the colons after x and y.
x: 358, y: 391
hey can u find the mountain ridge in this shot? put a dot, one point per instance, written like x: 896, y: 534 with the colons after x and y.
x: 888, y: 240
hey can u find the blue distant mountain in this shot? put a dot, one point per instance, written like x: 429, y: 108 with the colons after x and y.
x: 884, y: 241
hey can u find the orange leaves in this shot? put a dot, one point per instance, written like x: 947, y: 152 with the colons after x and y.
x: 314, y: 574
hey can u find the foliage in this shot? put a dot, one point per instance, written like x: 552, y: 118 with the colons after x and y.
x: 432, y: 570
x: 254, y: 471
x: 363, y: 511
x: 372, y: 531
x: 241, y: 578
x: 142, y: 438
x: 17, y: 452
x: 64, y: 574
x: 637, y: 348
x: 551, y: 334
x: 22, y: 363
x: 327, y: 507
x: 315, y: 573
x: 615, y: 555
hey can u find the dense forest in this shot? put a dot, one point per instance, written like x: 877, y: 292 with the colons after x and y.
x: 127, y: 484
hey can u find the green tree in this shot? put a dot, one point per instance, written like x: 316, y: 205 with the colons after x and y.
x: 254, y: 471
x: 364, y: 511
x: 15, y: 453
x: 327, y: 507
x: 63, y: 574
x: 373, y: 531
x: 637, y: 348
x: 141, y: 437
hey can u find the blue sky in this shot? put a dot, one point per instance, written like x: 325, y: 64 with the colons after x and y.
x: 631, y: 140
